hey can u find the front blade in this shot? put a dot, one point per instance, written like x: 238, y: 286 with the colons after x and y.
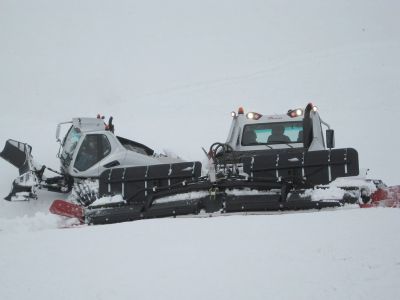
x: 18, y: 154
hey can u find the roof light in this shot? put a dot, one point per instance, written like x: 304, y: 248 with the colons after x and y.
x: 240, y: 111
x: 312, y: 106
x: 293, y: 113
x: 233, y: 114
x: 253, y: 115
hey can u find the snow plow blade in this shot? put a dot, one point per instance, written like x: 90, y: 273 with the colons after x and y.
x: 19, y: 155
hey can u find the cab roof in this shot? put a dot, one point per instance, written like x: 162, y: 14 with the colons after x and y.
x: 88, y: 124
x: 243, y: 119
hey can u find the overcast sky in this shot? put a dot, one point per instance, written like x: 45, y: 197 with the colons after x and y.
x: 171, y: 71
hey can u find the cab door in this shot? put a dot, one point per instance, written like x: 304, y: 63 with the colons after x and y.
x: 93, y: 149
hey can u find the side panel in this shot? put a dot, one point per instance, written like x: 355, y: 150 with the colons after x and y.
x: 136, y: 183
x: 306, y: 168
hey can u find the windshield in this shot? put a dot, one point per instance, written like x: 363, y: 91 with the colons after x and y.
x: 272, y: 133
x: 69, y: 145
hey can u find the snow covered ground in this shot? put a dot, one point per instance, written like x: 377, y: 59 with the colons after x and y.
x: 170, y: 72
x: 348, y: 254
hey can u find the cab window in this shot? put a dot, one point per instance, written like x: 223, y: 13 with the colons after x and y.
x: 272, y: 133
x: 93, y: 149
x: 106, y: 147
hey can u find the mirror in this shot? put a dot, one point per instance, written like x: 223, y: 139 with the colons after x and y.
x: 330, y: 138
x: 58, y: 133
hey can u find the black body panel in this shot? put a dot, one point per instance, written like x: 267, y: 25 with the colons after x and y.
x: 136, y: 183
x: 282, y: 173
x: 222, y: 203
x: 135, y: 146
x: 303, y: 168
x: 273, y: 203
x: 17, y: 154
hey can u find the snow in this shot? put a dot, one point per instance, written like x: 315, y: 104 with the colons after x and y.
x: 325, y: 255
x: 181, y: 197
x: 170, y: 73
x: 26, y: 223
x: 246, y: 192
x: 108, y: 200
x: 334, y: 191
x: 330, y: 193
x: 354, y: 181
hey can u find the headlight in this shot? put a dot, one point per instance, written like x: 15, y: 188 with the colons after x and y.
x: 293, y: 113
x: 253, y: 115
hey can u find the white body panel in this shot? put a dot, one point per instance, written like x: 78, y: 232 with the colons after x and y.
x: 240, y: 121
x: 119, y: 155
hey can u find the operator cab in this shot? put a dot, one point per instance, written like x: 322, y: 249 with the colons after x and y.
x: 90, y: 147
x: 297, y: 129
x: 85, y: 144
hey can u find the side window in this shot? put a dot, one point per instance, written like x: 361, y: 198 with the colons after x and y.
x: 87, y: 154
x: 106, y: 147
x: 93, y: 149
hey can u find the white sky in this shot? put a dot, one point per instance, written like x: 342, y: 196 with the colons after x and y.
x: 170, y: 72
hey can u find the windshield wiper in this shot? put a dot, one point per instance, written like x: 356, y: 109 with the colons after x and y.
x: 278, y: 143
